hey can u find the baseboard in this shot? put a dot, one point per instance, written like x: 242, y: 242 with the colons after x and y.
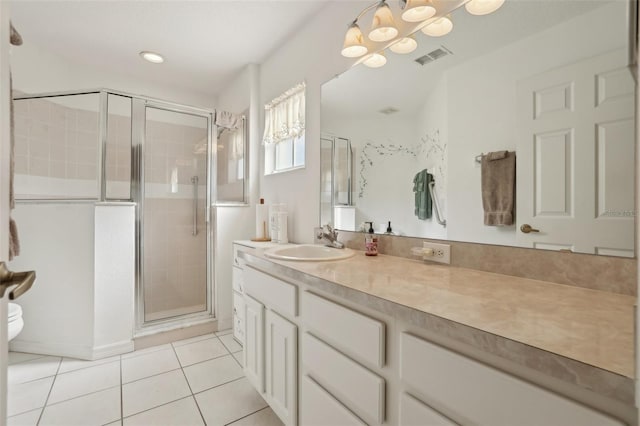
x: 71, y: 350
x: 112, y: 349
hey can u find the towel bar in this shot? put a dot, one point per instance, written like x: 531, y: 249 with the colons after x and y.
x: 436, y: 204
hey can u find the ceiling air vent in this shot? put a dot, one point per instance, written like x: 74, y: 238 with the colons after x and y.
x: 434, y: 55
x: 389, y: 110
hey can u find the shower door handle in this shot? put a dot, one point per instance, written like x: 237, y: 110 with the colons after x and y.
x: 23, y: 280
x: 194, y: 181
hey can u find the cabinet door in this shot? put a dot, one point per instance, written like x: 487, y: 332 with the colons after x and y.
x: 281, y: 367
x: 415, y: 413
x: 254, y: 342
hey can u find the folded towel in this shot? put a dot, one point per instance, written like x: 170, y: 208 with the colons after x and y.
x: 498, y: 187
x: 423, y: 203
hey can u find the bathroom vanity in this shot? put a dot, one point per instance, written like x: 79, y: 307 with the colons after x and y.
x: 400, y: 342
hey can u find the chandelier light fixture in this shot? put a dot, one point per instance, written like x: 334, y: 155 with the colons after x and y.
x: 418, y: 14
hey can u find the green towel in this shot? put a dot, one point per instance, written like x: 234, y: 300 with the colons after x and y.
x: 423, y: 202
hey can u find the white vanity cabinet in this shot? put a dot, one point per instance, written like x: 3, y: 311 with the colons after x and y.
x: 320, y: 360
x: 474, y: 393
x: 271, y: 342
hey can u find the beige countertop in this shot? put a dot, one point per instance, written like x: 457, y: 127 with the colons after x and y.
x: 592, y: 327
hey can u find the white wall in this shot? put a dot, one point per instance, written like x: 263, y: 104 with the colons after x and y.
x: 35, y: 70
x: 114, y: 278
x: 57, y: 242
x: 236, y: 222
x: 82, y: 302
x: 311, y: 55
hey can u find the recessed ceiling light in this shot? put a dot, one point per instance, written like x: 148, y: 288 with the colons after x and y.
x: 156, y: 58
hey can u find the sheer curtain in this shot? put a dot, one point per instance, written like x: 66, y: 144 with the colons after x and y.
x: 284, y: 116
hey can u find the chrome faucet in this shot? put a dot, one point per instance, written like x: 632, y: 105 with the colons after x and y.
x: 330, y: 235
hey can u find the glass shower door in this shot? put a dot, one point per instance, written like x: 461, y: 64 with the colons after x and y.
x: 174, y: 208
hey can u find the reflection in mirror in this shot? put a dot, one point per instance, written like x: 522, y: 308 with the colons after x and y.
x: 336, y: 175
x: 536, y: 79
x: 231, y: 187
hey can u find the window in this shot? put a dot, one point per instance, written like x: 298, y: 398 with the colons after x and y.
x: 284, y: 139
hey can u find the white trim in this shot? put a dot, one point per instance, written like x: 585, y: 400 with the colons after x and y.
x: 72, y: 350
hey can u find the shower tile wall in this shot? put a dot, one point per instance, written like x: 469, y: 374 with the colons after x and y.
x: 175, y: 260
x: 55, y: 141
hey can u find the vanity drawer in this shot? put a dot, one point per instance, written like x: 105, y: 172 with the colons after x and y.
x: 349, y: 331
x: 479, y: 394
x: 274, y: 293
x: 349, y: 382
x: 319, y: 408
x: 237, y: 281
x: 236, y: 260
x: 415, y: 413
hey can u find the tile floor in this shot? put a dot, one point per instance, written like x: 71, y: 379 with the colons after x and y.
x: 195, y: 381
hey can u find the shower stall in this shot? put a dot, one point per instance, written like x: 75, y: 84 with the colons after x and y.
x: 105, y: 146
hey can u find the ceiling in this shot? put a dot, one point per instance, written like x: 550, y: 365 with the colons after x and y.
x: 404, y: 85
x: 205, y: 43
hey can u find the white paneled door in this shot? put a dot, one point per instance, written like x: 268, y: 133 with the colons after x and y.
x: 575, y: 158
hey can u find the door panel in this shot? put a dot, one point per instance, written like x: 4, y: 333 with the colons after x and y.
x: 254, y: 342
x: 174, y: 213
x: 576, y: 148
x: 281, y: 367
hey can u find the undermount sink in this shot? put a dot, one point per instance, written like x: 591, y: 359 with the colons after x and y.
x: 308, y: 252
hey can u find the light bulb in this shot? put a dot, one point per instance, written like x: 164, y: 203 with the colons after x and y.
x: 418, y: 10
x: 156, y: 58
x: 483, y: 7
x: 375, y: 60
x: 404, y: 45
x: 439, y: 27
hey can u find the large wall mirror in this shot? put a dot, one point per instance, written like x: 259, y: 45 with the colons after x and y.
x: 550, y: 81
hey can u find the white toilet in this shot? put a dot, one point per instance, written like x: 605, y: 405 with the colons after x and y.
x: 15, y: 320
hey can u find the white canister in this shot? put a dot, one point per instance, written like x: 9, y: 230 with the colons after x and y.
x: 282, y: 218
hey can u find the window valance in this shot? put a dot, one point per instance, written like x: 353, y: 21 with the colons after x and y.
x: 284, y: 116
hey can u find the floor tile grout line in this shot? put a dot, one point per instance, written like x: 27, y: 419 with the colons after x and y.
x: 80, y: 396
x: 217, y: 386
x: 84, y: 368
x: 157, y: 406
x: 152, y: 375
x: 32, y: 359
x: 200, y: 339
x: 131, y: 355
x: 53, y: 383
x: 244, y: 417
x: 89, y: 366
x: 189, y: 385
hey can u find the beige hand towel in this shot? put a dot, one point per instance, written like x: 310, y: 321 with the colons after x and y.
x: 498, y: 187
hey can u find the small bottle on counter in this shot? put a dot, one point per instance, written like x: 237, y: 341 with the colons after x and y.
x: 371, y: 242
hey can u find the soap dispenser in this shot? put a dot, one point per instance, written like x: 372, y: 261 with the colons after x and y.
x: 371, y: 242
x: 389, y: 230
